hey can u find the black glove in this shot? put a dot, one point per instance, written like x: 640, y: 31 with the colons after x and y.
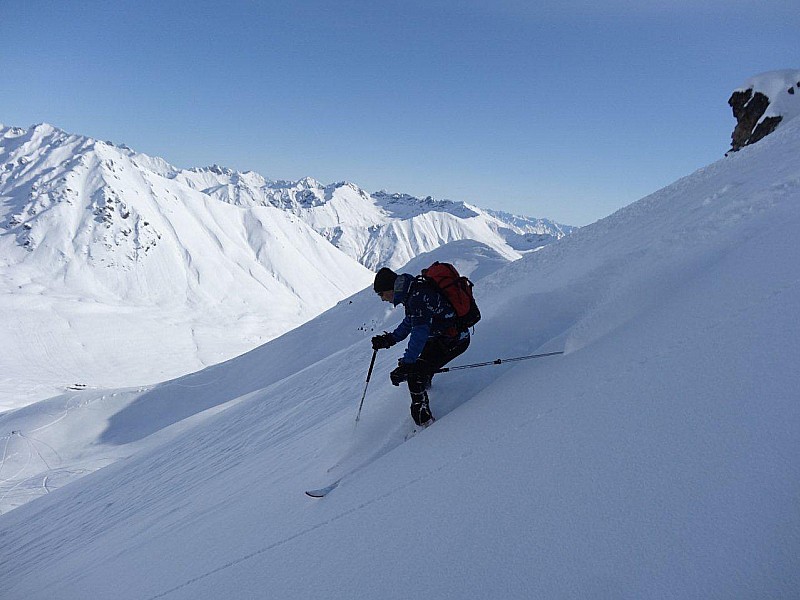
x: 385, y: 340
x: 401, y: 373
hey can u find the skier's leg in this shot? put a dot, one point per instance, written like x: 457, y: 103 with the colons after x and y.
x: 420, y: 409
x: 440, y: 351
x: 437, y: 353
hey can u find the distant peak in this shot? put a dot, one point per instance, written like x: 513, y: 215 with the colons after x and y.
x: 215, y: 169
x: 45, y: 127
x: 345, y: 184
x: 308, y: 182
x: 12, y: 132
x: 406, y: 206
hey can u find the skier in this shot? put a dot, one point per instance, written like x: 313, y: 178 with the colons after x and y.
x: 434, y: 342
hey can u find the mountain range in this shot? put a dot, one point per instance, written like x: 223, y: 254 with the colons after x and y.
x: 115, y: 195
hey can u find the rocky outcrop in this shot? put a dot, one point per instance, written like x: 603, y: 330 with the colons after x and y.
x: 763, y: 103
x: 748, y: 108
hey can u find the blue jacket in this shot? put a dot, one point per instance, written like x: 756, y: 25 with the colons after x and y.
x: 428, y: 314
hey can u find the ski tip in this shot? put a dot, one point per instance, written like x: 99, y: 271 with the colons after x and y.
x: 322, y: 492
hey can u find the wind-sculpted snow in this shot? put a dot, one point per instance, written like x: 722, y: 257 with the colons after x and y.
x: 656, y: 458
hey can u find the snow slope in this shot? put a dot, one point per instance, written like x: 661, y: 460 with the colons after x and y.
x: 83, y: 430
x: 656, y: 459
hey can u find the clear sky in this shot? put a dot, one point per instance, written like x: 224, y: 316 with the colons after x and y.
x: 568, y: 109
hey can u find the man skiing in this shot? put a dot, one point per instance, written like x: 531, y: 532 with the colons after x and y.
x: 435, y: 340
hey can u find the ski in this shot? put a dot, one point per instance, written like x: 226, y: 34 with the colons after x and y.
x: 418, y: 428
x: 322, y: 492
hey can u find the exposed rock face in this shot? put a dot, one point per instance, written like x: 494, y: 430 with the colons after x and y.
x: 762, y: 104
x: 748, y: 108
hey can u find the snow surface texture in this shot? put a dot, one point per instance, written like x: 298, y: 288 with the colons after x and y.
x: 118, y: 269
x: 656, y: 459
x: 783, y: 90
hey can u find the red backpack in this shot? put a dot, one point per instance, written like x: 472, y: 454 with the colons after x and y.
x: 457, y: 289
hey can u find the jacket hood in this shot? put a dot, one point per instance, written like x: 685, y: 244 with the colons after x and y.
x: 401, y: 286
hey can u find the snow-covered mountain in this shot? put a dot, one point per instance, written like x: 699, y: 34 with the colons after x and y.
x: 106, y: 259
x: 656, y: 458
x: 44, y: 167
x: 378, y: 229
x: 110, y: 222
x: 202, y: 264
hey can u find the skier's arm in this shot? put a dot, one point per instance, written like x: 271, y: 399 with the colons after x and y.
x: 417, y: 322
x: 419, y: 337
x: 401, y: 331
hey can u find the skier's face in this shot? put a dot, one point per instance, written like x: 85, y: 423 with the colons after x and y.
x: 387, y: 296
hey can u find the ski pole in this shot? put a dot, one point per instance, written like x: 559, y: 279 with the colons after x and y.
x: 369, y: 374
x: 497, y: 361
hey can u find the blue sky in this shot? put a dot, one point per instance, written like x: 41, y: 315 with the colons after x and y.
x: 566, y: 110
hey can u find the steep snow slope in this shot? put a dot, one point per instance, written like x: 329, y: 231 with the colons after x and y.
x: 657, y: 458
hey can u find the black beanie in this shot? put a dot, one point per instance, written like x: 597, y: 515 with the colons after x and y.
x: 384, y: 280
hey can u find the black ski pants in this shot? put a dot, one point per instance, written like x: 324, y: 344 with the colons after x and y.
x: 438, y: 351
